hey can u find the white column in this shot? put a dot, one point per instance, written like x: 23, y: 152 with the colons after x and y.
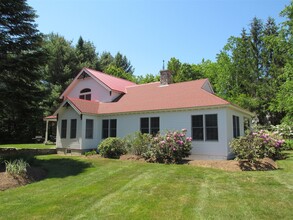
x: 46, y: 135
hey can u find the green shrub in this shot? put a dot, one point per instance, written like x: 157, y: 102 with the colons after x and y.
x: 169, y: 148
x: 258, y: 145
x: 112, y: 147
x: 288, y: 144
x: 16, y: 167
x: 90, y: 153
x: 138, y: 143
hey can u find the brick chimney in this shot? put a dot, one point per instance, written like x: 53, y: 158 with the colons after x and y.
x: 166, y: 77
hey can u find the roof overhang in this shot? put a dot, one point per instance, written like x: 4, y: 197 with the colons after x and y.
x: 84, y: 70
x: 69, y: 103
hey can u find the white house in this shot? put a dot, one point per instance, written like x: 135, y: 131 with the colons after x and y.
x: 97, y: 106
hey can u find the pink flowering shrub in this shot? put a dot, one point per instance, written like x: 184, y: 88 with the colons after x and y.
x: 169, y: 148
x: 258, y: 145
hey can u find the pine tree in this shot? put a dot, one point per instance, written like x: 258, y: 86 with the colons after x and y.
x: 20, y: 59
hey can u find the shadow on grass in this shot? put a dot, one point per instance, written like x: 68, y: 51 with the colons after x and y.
x: 63, y: 167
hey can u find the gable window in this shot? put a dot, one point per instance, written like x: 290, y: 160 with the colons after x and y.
x: 109, y: 128
x: 73, y: 128
x: 204, y: 127
x: 236, y: 129
x: 150, y: 125
x: 85, y: 94
x: 63, y: 128
x: 89, y: 128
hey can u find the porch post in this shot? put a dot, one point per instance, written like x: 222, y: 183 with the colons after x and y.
x: 46, y: 135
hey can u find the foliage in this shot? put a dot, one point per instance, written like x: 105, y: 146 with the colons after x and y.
x: 284, y: 130
x: 258, y: 145
x: 16, y: 167
x: 169, y: 148
x: 21, y: 56
x: 90, y: 153
x: 138, y: 143
x: 112, y: 147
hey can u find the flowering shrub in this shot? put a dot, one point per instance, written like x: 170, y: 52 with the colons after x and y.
x: 258, y: 145
x: 170, y: 148
x: 283, y: 130
x: 112, y: 147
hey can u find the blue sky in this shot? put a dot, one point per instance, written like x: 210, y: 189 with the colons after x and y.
x: 150, y: 31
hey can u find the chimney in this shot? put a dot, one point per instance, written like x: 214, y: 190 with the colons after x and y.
x: 166, y: 77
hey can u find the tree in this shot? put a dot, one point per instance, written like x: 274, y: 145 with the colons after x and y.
x: 86, y: 54
x: 20, y: 58
x: 61, y: 67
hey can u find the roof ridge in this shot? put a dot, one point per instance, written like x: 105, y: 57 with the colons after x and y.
x: 108, y: 75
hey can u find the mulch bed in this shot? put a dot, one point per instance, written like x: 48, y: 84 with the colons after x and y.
x: 8, y: 181
x: 265, y: 164
x: 228, y: 165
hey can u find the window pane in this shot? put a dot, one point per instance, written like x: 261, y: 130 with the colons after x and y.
x: 144, y: 130
x: 89, y: 128
x: 197, y: 121
x: 63, y: 128
x: 88, y: 97
x: 211, y: 120
x: 155, y: 122
x: 85, y: 90
x: 212, y: 134
x: 197, y: 134
x: 81, y: 97
x: 73, y: 128
x: 105, y: 129
x: 144, y: 125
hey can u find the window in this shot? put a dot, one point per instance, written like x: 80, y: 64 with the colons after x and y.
x: 150, y: 125
x: 204, y: 127
x: 155, y: 125
x: 197, y: 127
x: 73, y: 128
x: 109, y: 128
x: 63, y: 128
x: 89, y: 128
x: 236, y: 130
x: 211, y: 127
x: 144, y: 125
x: 85, y: 94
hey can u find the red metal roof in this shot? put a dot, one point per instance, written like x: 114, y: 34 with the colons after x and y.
x: 112, y: 82
x: 85, y: 106
x: 154, y: 97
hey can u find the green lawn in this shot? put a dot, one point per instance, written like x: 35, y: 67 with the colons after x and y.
x: 30, y: 146
x: 81, y: 188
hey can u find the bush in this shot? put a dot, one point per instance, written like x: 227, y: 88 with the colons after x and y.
x: 90, y: 153
x: 284, y: 130
x: 138, y: 143
x: 170, y: 148
x: 16, y: 167
x: 288, y: 144
x: 258, y: 145
x: 112, y: 147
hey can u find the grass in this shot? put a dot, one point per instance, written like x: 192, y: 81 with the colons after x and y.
x: 84, y: 188
x: 28, y: 146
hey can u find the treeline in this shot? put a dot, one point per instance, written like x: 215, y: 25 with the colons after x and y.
x: 254, y: 70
